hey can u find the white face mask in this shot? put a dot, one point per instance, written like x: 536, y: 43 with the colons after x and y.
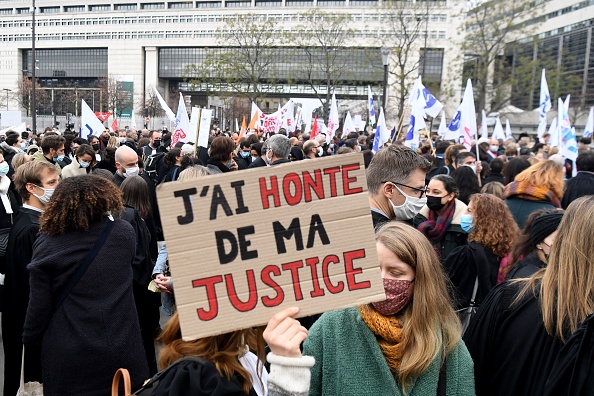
x: 47, y: 194
x: 409, y: 208
x: 319, y: 151
x: 494, y: 148
x: 131, y: 171
x: 473, y: 167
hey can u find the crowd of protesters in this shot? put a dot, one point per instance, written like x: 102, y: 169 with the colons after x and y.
x: 83, y: 259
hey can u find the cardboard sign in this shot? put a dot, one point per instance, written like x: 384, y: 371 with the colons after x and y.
x: 245, y: 245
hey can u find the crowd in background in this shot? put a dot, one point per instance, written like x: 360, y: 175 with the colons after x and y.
x: 453, y: 232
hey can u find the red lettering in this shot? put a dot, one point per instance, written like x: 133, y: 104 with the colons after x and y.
x: 317, y: 290
x: 294, y: 268
x: 351, y: 271
x: 280, y: 294
x: 252, y: 289
x: 309, y: 184
x: 332, y: 173
x: 331, y: 259
x: 211, y: 295
x: 265, y: 193
x: 346, y: 180
x: 292, y: 178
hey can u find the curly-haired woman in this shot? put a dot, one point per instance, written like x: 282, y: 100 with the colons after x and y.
x: 538, y: 187
x: 88, y: 333
x: 491, y: 233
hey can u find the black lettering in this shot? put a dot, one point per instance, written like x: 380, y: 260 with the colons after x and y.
x: 316, y: 225
x: 241, y: 208
x: 185, y: 194
x: 221, y: 237
x: 280, y: 234
x: 218, y: 199
x: 244, y: 243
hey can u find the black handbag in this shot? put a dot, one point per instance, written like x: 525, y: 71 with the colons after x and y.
x: 466, y: 314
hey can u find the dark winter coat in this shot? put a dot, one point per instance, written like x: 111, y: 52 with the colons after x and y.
x: 578, y: 186
x: 95, y: 330
x: 522, y: 208
x: 16, y: 291
x: 494, y: 177
x: 463, y: 266
x: 525, y: 267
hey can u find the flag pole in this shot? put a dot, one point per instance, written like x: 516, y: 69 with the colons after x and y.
x: 400, y: 123
x: 198, y: 132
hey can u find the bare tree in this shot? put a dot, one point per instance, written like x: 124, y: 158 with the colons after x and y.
x: 22, y: 95
x: 115, y: 98
x: 245, y: 62
x: 323, y: 38
x: 488, y: 28
x: 408, y: 22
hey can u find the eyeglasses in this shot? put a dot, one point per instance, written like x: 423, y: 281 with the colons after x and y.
x: 420, y: 191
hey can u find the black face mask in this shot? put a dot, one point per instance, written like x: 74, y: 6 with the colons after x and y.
x: 434, y: 203
x: 156, y: 143
x: 95, y: 146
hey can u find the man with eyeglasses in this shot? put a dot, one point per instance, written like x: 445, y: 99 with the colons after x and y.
x: 396, y: 184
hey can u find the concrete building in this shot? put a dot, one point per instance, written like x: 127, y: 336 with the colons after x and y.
x: 84, y: 46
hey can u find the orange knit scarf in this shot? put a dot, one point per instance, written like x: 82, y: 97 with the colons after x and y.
x: 388, y: 331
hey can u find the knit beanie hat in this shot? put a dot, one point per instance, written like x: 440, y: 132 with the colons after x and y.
x: 544, y: 225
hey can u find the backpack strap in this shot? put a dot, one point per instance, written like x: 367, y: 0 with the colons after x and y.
x: 447, y: 169
x: 157, y: 377
x: 442, y: 381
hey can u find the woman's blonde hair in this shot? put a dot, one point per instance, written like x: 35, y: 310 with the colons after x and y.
x: 545, y: 174
x: 113, y: 142
x: 567, y: 283
x: 222, y: 350
x: 193, y: 172
x: 430, y: 324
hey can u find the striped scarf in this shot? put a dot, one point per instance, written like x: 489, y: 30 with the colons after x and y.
x: 435, y: 227
x: 529, y: 192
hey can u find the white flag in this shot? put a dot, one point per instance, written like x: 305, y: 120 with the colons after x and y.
x: 484, y: 129
x: 332, y: 119
x: 545, y: 104
x: 589, y: 124
x: 566, y: 105
x: 568, y: 146
x: 168, y: 111
x: 287, y: 116
x: 133, y: 122
x: 468, y: 116
x: 370, y: 106
x: 429, y: 103
x: 194, y: 118
x: 498, y: 132
x: 415, y: 124
x: 181, y: 132
x: 454, y: 130
x: 349, y: 125
x: 442, y: 126
x: 554, y: 132
x: 89, y: 123
x: 204, y: 130
x: 508, y: 132
x: 382, y: 133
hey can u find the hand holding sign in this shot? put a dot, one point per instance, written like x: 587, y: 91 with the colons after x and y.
x: 244, y: 244
x: 284, y: 334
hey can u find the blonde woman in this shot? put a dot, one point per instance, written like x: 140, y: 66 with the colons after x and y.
x: 520, y: 328
x: 113, y: 142
x: 408, y: 344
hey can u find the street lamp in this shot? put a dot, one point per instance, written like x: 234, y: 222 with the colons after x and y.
x: 386, y: 52
x: 7, y: 91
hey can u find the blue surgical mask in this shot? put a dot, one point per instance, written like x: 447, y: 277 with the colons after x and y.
x: 4, y: 168
x: 244, y: 154
x: 466, y: 223
x: 84, y: 164
x: 23, y: 145
x: 60, y: 157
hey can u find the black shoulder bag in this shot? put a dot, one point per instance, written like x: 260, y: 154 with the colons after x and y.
x: 84, y: 266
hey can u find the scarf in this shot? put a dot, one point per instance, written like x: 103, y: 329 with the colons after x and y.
x: 435, y: 227
x: 388, y: 331
x: 529, y: 192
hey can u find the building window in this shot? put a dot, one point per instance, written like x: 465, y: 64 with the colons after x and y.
x: 331, y: 3
x: 208, y: 4
x: 237, y: 4
x: 431, y: 64
x: 6, y: 11
x: 23, y: 10
x: 152, y: 6
x: 182, y: 4
x: 49, y: 10
x: 269, y: 3
x: 363, y: 3
x: 124, y: 7
x: 100, y: 7
x: 78, y: 8
x: 298, y: 3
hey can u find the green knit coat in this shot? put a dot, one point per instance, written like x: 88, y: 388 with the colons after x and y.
x: 349, y: 361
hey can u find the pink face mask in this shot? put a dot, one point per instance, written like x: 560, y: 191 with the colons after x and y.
x: 397, y: 296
